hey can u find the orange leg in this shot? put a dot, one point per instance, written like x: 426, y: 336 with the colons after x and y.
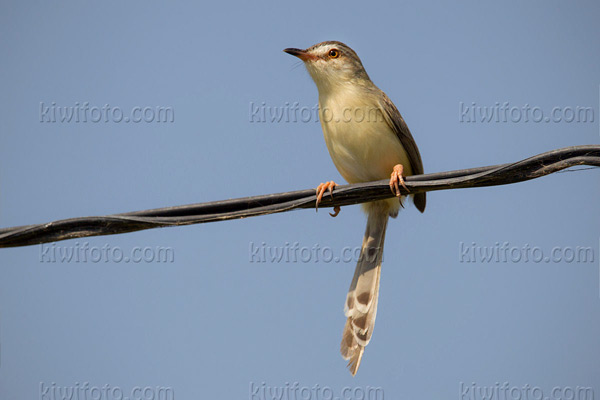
x: 321, y: 189
x: 396, y: 178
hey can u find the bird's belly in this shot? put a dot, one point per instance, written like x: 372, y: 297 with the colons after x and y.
x: 364, y: 151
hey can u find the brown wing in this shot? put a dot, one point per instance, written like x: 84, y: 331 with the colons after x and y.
x: 396, y: 122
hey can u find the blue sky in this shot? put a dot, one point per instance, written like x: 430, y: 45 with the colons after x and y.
x: 218, y: 322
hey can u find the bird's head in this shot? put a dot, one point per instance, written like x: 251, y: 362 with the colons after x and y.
x: 331, y: 64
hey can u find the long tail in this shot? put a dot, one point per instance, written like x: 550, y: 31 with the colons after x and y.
x: 361, y: 301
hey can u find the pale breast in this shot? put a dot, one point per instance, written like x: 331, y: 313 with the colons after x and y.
x: 362, y: 145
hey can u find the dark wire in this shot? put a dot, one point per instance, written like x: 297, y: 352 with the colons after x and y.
x: 530, y: 168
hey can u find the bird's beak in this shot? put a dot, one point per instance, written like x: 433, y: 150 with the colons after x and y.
x: 301, y: 54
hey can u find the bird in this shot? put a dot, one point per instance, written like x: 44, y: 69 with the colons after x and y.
x: 368, y: 140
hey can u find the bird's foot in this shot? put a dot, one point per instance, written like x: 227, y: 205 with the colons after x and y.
x: 321, y: 189
x: 396, y: 178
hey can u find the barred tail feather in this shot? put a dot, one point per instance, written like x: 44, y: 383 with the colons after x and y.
x: 361, y: 300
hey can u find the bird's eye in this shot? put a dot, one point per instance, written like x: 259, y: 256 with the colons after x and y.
x: 334, y: 53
